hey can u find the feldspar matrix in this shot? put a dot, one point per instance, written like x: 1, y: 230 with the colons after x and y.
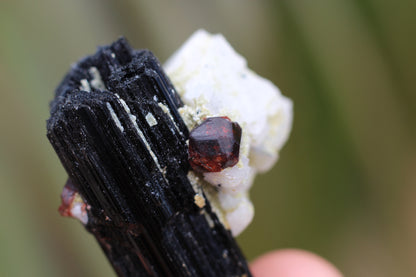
x: 214, y: 81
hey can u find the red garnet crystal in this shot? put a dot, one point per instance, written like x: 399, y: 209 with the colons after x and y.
x: 214, y: 145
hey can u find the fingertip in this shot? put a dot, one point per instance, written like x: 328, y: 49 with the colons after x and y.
x: 293, y: 263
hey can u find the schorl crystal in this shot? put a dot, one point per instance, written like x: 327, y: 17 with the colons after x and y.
x: 115, y: 127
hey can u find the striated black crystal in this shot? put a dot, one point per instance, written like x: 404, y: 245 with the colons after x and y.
x: 132, y: 172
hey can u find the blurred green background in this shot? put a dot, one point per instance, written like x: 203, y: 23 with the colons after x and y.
x: 344, y: 186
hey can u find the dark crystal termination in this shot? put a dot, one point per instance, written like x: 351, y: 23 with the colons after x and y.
x: 132, y: 174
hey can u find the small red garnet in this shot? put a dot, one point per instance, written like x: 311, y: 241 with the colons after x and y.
x: 214, y: 145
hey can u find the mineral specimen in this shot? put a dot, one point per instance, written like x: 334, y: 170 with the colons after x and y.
x: 116, y: 128
x: 121, y: 131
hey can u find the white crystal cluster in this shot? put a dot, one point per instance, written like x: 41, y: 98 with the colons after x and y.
x: 78, y: 209
x: 213, y: 80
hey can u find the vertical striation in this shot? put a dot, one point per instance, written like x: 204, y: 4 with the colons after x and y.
x: 116, y: 129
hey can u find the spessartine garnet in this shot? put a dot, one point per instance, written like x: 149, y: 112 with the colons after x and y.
x: 214, y: 145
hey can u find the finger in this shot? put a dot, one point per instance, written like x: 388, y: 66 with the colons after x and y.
x: 293, y: 263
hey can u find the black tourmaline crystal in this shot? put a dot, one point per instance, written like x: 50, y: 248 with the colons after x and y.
x: 116, y: 129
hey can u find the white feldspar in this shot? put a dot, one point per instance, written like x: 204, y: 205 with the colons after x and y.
x: 78, y: 209
x: 213, y: 80
x: 96, y: 80
x: 151, y: 120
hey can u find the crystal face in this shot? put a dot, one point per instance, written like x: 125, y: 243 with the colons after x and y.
x: 214, y: 145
